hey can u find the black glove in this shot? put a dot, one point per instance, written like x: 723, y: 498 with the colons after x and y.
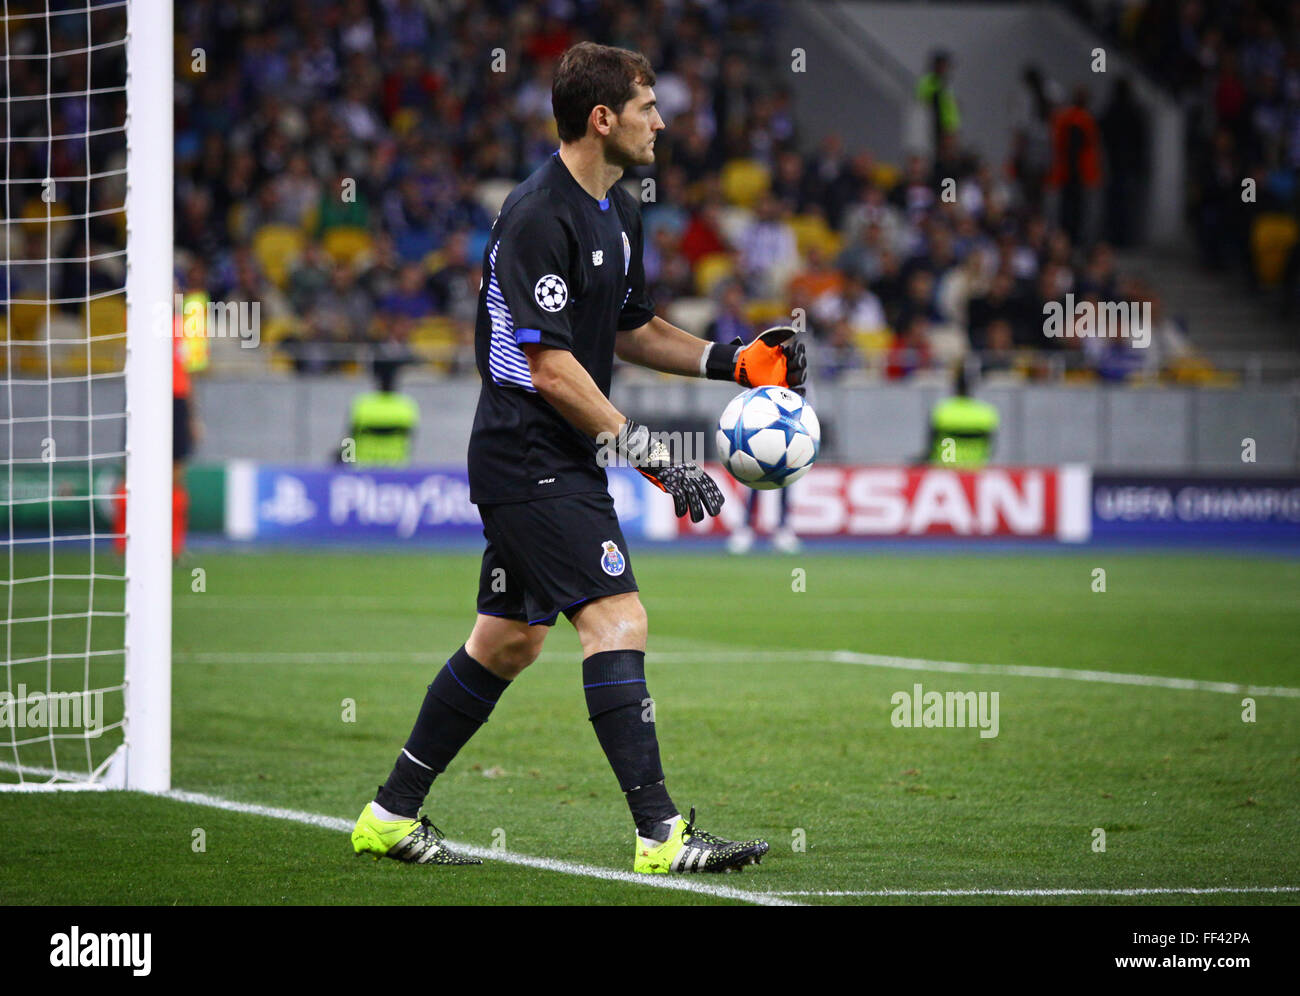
x: 774, y: 357
x: 692, y: 489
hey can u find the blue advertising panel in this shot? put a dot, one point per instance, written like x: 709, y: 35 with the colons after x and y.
x: 1197, y: 509
x: 308, y: 504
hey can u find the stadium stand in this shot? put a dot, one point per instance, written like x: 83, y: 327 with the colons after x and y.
x: 305, y: 165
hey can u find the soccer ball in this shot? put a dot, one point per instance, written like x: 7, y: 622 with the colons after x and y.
x: 768, y: 437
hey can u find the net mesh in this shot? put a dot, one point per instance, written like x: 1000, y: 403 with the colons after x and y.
x: 63, y: 397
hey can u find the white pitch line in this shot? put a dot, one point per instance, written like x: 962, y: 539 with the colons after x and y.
x: 1060, y: 673
x: 781, y: 656
x: 491, y: 854
x: 1045, y: 893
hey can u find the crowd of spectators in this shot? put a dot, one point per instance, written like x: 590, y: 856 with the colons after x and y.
x: 1235, y: 67
x: 330, y: 160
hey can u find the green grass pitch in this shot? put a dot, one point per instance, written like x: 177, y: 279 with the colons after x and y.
x: 761, y: 729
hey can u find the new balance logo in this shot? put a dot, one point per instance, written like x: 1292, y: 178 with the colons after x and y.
x: 598, y: 257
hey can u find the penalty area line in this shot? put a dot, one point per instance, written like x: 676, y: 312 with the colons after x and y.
x: 710, y: 654
x: 961, y: 667
x: 492, y: 854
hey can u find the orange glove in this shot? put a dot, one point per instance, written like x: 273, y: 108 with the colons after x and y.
x: 772, y: 358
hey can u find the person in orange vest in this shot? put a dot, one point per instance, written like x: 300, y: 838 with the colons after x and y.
x: 1075, y: 175
x: 185, y: 429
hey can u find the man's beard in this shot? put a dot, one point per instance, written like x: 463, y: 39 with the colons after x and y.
x: 626, y: 159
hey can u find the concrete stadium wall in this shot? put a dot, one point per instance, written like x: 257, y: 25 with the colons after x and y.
x: 1154, y: 429
x: 302, y: 420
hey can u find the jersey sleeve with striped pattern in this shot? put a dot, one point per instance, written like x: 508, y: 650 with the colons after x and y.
x: 530, y: 275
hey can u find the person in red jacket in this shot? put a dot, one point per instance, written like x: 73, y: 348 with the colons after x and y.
x: 184, y: 436
x: 1075, y: 175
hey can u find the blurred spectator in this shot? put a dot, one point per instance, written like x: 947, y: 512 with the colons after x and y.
x: 768, y: 249
x: 409, y: 299
x: 347, y: 303
x: 1034, y: 104
x: 730, y: 323
x: 911, y: 349
x: 703, y: 234
x: 934, y: 91
x: 1076, y: 165
x: 309, y: 278
x: 962, y: 428
x: 383, y: 421
x: 818, y: 278
x: 1125, y: 135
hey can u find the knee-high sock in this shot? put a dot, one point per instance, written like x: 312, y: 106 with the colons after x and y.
x: 458, y: 702
x: 622, y: 715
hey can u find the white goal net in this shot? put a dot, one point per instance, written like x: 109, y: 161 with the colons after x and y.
x: 85, y: 403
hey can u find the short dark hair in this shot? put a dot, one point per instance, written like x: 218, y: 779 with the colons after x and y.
x: 591, y: 74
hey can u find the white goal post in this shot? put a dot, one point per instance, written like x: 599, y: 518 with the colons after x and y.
x: 148, y: 644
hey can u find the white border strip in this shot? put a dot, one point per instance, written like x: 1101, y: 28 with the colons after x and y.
x: 492, y: 854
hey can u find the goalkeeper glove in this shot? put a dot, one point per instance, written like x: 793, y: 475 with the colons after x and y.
x: 692, y: 489
x: 774, y: 357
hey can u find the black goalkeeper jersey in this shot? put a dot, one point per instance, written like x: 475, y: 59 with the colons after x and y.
x: 561, y: 269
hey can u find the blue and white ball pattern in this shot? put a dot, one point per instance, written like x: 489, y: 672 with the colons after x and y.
x: 768, y: 437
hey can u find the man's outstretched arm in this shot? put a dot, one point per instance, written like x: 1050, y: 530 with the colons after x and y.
x: 662, y: 346
x: 774, y: 357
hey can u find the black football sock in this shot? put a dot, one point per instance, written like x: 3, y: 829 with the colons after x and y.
x: 622, y: 715
x: 459, y: 701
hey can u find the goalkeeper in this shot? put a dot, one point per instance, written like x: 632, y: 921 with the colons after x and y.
x: 563, y: 293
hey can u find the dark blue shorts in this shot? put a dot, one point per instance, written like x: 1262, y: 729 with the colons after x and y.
x: 550, y: 556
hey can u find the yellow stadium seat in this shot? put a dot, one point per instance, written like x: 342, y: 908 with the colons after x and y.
x: 1191, y: 370
x: 104, y: 316
x: 26, y: 320
x: 434, y: 339
x: 811, y: 231
x: 404, y: 120
x: 34, y: 362
x: 434, y: 332
x: 276, y: 248
x: 744, y: 181
x: 885, y: 176
x: 711, y: 269
x: 874, y: 343
x: 276, y: 329
x: 1271, y: 239
x: 767, y: 312
x: 346, y: 243
x: 311, y: 218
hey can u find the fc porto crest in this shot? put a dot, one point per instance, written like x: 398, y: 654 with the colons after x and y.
x: 627, y: 253
x: 611, y: 561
